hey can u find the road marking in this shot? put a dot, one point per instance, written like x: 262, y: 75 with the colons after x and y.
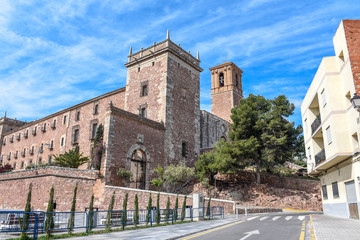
x: 301, y: 218
x: 312, y: 229
x: 302, y: 233
x: 276, y: 218
x: 215, y: 229
x: 288, y: 218
x: 248, y: 234
x: 263, y: 218
x: 249, y: 219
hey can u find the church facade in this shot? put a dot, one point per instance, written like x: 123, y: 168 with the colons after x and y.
x: 154, y: 120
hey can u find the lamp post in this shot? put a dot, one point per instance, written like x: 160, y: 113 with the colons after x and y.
x: 40, y: 151
x: 355, y: 101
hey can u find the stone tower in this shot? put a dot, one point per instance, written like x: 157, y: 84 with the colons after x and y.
x: 163, y: 84
x: 226, y: 89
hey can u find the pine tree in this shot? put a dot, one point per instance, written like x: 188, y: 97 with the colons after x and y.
x: 49, y: 223
x: 167, y: 211
x: 176, y: 208
x: 25, y: 224
x: 148, y: 214
x: 136, y: 213
x: 91, y: 213
x: 183, y: 210
x: 157, y: 216
x: 109, y: 213
x: 72, y: 214
x: 208, y: 208
x: 124, y: 215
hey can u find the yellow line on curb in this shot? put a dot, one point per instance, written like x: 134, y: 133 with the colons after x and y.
x: 215, y: 229
x: 294, y: 210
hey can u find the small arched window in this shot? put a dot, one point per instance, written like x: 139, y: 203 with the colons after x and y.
x: 236, y: 80
x: 221, y: 79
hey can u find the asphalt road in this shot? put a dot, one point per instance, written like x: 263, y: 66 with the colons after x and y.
x: 281, y: 226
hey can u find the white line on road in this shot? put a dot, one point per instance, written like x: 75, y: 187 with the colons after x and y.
x: 249, y: 219
x: 301, y: 218
x: 263, y: 218
x: 276, y: 218
x: 248, y: 234
x: 288, y: 218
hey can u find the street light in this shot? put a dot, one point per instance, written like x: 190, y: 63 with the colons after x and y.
x: 355, y: 101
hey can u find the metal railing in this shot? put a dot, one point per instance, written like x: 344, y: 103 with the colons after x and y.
x: 320, y: 157
x: 315, y: 124
x: 35, y: 222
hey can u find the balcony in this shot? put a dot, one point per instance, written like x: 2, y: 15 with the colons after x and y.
x: 315, y: 125
x: 320, y: 157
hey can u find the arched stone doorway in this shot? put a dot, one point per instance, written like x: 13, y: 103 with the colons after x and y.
x: 139, y: 166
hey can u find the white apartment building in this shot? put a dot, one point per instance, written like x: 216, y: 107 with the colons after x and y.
x: 331, y: 124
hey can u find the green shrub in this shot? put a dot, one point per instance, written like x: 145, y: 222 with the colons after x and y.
x: 176, y: 208
x: 136, y: 213
x: 183, y: 210
x: 148, y: 214
x: 49, y: 222
x: 167, y: 211
x: 157, y: 216
x: 72, y: 214
x: 108, y: 215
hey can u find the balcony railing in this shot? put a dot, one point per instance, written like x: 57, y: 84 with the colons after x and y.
x: 320, y: 157
x: 316, y: 123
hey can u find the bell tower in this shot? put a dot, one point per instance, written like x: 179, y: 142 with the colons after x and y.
x: 226, y: 89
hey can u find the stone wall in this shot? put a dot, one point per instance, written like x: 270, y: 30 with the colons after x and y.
x: 14, y: 188
x: 213, y: 128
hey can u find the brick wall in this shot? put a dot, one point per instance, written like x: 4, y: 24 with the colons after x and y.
x: 352, y: 34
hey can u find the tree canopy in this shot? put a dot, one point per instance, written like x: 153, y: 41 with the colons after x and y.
x: 260, y: 136
x: 72, y: 159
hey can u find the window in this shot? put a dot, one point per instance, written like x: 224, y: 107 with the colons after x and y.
x: 328, y: 134
x: 22, y: 165
x: 32, y: 150
x: 184, y: 149
x: 341, y: 56
x: 43, y: 129
x: 144, y: 90
x: 14, y: 165
x: 309, y: 153
x: 323, y: 97
x: 221, y: 79
x: 183, y: 93
x: 153, y: 63
x: 62, y: 142
x: 40, y: 159
x: 53, y: 125
x: 143, y: 112
x: 94, y: 129
x: 51, y: 145
x: 4, y: 141
x: 96, y: 109
x: 49, y: 159
x: 77, y: 115
x: 64, y: 120
x: 236, y: 80
x: 26, y: 133
x: 324, y: 191
x: 305, y: 125
x: 335, y: 190
x: 178, y: 65
x: 76, y: 136
x: 138, y: 69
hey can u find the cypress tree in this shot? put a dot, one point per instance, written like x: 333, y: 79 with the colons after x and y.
x: 208, y: 208
x: 157, y: 216
x: 124, y: 215
x: 110, y: 208
x: 167, y: 211
x: 25, y: 224
x: 148, y: 210
x: 136, y: 213
x: 176, y: 208
x: 72, y: 214
x: 91, y: 213
x: 183, y: 209
x: 49, y: 223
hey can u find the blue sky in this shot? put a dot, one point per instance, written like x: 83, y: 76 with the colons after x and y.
x: 55, y: 54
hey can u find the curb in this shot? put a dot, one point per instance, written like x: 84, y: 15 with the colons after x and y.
x: 203, y: 230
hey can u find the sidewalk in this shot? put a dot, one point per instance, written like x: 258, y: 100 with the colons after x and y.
x: 334, y: 228
x: 165, y: 232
